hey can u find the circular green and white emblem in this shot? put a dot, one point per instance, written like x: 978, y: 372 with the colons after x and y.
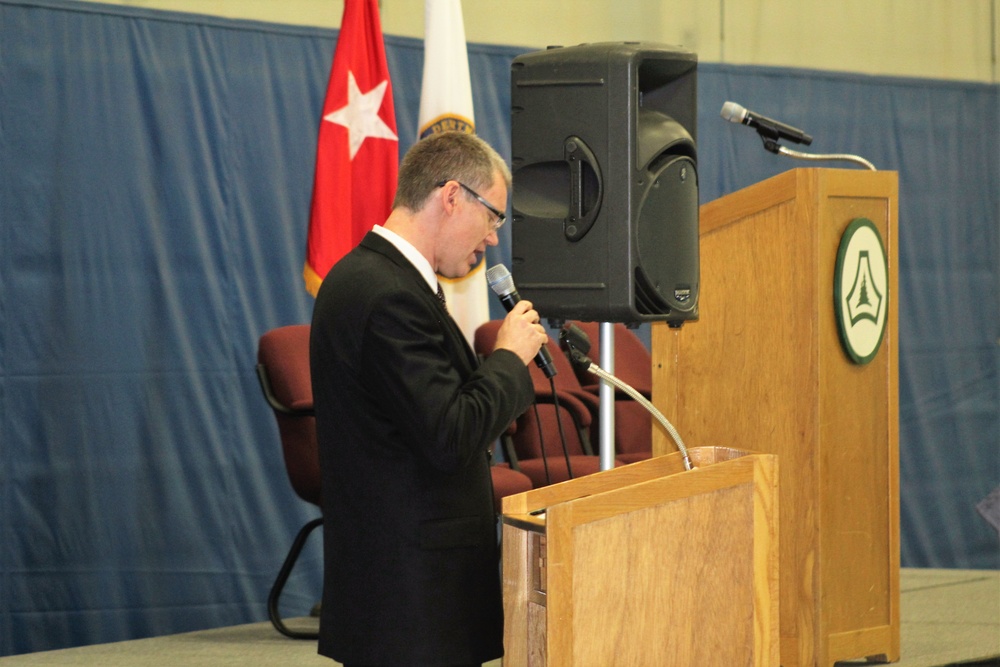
x: 861, y: 290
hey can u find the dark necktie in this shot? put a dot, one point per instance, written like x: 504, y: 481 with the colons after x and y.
x: 440, y: 296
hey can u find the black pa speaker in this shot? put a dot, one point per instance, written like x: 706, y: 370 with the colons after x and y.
x: 605, y: 195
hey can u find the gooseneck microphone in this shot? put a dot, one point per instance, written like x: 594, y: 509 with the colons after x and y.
x: 502, y: 284
x: 766, y: 127
x: 576, y: 344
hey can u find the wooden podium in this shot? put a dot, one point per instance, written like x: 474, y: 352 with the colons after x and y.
x: 646, y: 564
x: 765, y: 365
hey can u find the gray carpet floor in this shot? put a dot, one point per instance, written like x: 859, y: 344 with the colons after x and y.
x: 948, y: 617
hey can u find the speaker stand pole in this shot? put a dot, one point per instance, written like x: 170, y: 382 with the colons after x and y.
x: 606, y: 394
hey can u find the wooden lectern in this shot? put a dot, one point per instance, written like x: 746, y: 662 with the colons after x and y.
x: 765, y: 364
x: 646, y: 564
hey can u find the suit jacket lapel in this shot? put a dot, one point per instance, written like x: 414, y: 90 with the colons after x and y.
x: 377, y: 244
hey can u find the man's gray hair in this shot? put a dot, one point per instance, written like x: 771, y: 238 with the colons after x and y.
x: 447, y: 156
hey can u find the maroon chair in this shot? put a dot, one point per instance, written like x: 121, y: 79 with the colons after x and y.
x: 565, y: 381
x: 285, y: 378
x: 633, y: 431
x: 633, y: 362
x: 536, y: 446
x: 283, y: 371
x: 634, y: 367
x: 550, y: 463
x: 507, y: 482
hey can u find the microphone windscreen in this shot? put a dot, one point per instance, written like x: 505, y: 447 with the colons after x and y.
x: 500, y: 280
x: 733, y: 112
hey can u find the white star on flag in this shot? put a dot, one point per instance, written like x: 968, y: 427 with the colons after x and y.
x: 360, y: 114
x: 352, y: 188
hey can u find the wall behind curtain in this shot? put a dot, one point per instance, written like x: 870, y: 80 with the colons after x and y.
x: 156, y: 174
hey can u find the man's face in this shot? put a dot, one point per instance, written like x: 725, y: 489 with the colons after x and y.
x: 464, y: 241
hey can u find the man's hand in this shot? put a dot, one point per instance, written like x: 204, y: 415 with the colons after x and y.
x: 522, y: 332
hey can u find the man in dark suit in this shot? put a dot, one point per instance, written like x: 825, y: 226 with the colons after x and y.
x: 405, y: 416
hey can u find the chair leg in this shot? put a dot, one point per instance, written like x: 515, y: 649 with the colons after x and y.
x: 507, y: 442
x: 279, y: 583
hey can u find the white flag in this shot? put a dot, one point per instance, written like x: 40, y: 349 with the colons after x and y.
x: 446, y: 104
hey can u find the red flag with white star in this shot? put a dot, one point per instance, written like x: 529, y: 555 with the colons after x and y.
x: 357, y: 153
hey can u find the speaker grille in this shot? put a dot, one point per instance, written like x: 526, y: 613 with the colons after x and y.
x: 666, y: 272
x: 647, y: 299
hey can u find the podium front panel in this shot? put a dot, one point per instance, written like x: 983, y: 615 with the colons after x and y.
x: 678, y: 569
x: 765, y: 365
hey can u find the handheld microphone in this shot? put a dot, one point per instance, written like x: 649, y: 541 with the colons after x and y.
x: 766, y: 127
x: 502, y: 285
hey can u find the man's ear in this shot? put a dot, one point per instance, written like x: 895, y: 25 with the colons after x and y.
x: 449, y: 194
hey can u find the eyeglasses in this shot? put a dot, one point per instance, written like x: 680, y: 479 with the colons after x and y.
x: 501, y: 217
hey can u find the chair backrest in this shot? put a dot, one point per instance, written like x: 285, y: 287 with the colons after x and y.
x: 576, y: 406
x: 284, y: 352
x: 283, y: 370
x: 528, y: 442
x: 485, y: 338
x: 565, y: 379
x: 633, y: 362
x: 633, y: 366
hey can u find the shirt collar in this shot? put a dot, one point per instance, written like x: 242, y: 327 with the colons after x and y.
x: 412, y: 254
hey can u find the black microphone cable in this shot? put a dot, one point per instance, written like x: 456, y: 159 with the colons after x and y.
x: 557, y: 409
x: 541, y: 442
x: 562, y: 432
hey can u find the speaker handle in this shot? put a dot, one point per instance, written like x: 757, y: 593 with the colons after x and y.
x: 581, y: 159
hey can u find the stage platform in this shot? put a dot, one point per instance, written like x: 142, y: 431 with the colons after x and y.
x: 948, y: 617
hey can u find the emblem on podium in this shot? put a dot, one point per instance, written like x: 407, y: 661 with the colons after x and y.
x: 861, y: 290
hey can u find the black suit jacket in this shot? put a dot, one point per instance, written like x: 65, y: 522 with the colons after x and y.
x: 404, y: 416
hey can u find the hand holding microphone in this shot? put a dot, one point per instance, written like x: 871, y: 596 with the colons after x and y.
x: 520, y: 332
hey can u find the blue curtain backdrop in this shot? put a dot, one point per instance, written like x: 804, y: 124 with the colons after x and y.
x: 155, y: 175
